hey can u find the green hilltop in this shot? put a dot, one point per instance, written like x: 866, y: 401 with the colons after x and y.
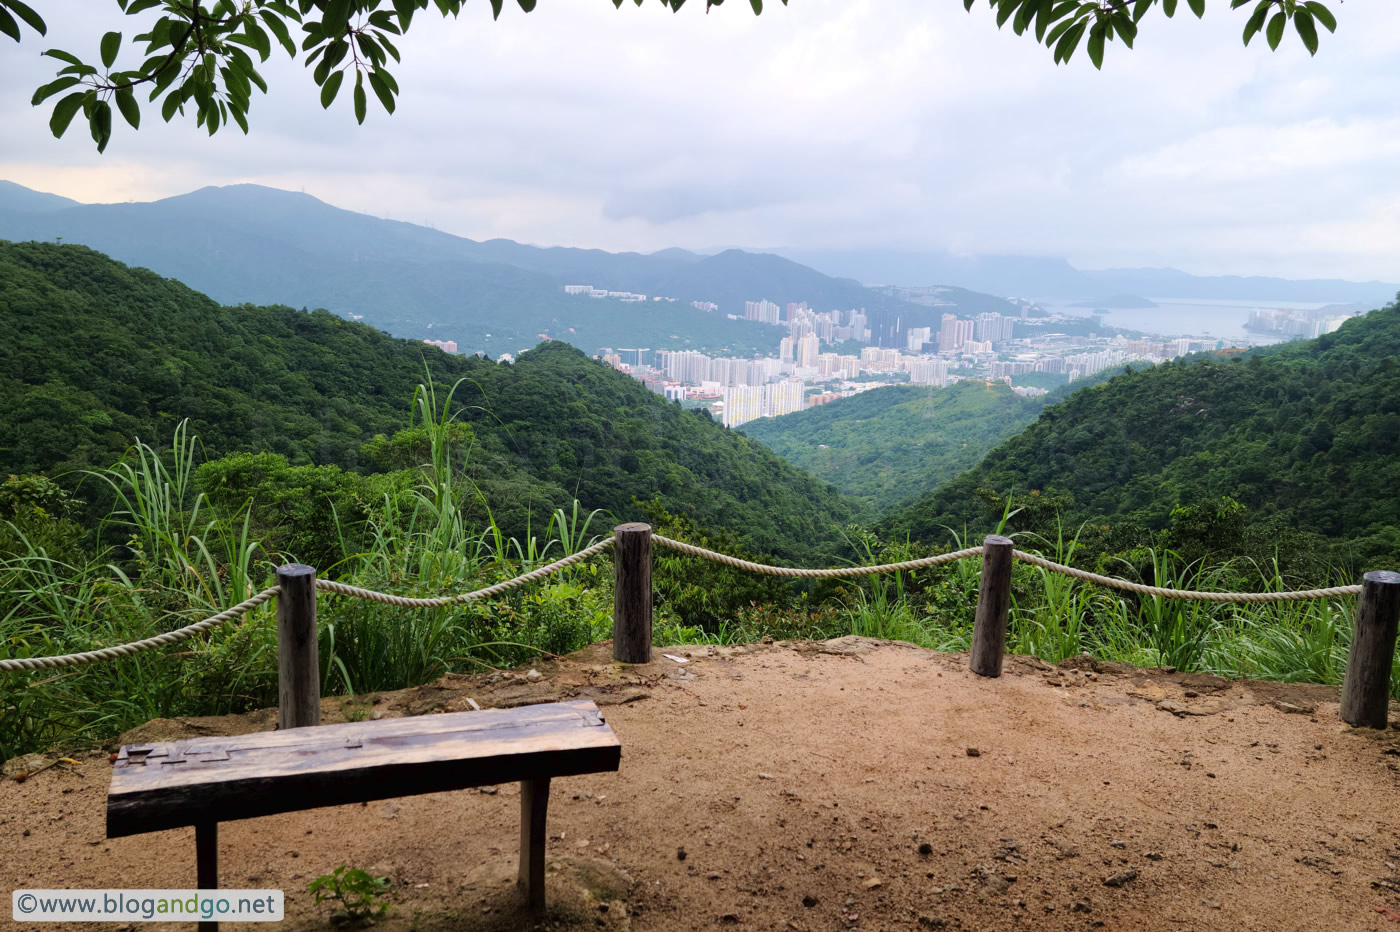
x: 889, y: 445
x: 100, y: 354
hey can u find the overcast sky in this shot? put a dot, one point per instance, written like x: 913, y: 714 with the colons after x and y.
x: 890, y: 123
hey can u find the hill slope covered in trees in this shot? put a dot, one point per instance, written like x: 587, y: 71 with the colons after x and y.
x: 889, y: 445
x: 1307, y: 433
x: 100, y: 353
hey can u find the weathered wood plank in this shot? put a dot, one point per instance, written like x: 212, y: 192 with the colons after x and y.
x: 534, y: 807
x: 263, y: 774
x: 581, y: 711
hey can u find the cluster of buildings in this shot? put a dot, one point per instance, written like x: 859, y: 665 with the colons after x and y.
x: 447, y: 346
x: 1303, y: 324
x: 630, y: 297
x: 806, y: 371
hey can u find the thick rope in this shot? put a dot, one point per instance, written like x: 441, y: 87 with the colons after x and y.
x: 1116, y: 583
x: 335, y: 588
x: 840, y: 572
x: 136, y: 647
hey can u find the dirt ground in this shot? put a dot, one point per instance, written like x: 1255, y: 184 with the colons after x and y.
x: 845, y: 785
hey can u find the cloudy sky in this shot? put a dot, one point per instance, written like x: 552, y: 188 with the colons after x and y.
x: 831, y: 124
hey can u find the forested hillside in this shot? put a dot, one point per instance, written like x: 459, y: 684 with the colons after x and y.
x: 1307, y: 433
x: 99, y: 353
x: 890, y: 445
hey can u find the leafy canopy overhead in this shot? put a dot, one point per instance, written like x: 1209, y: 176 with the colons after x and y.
x: 199, y: 58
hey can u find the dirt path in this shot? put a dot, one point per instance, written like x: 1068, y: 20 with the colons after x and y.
x: 834, y: 786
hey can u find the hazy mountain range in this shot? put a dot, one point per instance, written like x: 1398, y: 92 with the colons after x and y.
x: 247, y: 243
x: 253, y: 244
x: 1045, y: 278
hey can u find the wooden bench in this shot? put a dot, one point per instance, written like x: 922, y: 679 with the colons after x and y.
x: 205, y: 781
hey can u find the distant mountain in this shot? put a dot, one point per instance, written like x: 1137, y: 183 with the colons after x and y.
x: 18, y: 198
x: 1037, y: 277
x: 247, y: 243
x: 97, y: 353
x: 890, y: 445
x: 1306, y: 433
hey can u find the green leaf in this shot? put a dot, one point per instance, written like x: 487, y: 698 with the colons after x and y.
x: 1140, y: 9
x: 167, y: 109
x: 1096, y: 40
x: 383, y: 20
x: 360, y: 103
x: 64, y: 111
x: 331, y: 88
x: 8, y: 25
x: 1125, y: 27
x: 1198, y: 7
x: 52, y: 88
x: 260, y: 38
x: 63, y: 56
x: 1307, y: 30
x: 404, y: 9
x: 140, y: 6
x: 757, y: 6
x: 239, y: 118
x: 1256, y: 20
x: 336, y: 18
x: 388, y: 46
x: 1064, y: 49
x: 1169, y: 8
x: 1005, y: 9
x: 33, y: 19
x: 381, y: 90
x: 496, y: 9
x: 126, y: 103
x: 111, y: 42
x: 100, y: 124
x: 1274, y: 34
x: 1322, y: 15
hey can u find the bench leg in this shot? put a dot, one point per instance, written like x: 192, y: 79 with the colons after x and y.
x: 206, y: 853
x: 534, y: 806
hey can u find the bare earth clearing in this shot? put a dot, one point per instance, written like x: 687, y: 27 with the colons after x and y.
x: 829, y: 786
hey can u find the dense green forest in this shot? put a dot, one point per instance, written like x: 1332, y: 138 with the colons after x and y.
x: 1304, y: 436
x: 101, y: 353
x: 889, y: 445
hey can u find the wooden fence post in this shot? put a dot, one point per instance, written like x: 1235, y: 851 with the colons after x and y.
x: 632, y: 593
x: 1366, y: 689
x: 298, y: 663
x: 993, y: 607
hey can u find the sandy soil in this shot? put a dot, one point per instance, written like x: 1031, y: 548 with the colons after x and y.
x: 846, y: 785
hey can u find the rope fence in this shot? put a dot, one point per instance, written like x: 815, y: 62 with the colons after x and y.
x: 335, y: 588
x: 1365, y: 691
x: 836, y: 573
x: 136, y: 647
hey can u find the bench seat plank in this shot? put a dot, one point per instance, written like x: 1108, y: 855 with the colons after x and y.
x: 182, y: 783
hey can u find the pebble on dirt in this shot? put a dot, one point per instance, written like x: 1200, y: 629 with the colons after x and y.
x: 1120, y: 878
x: 973, y: 752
